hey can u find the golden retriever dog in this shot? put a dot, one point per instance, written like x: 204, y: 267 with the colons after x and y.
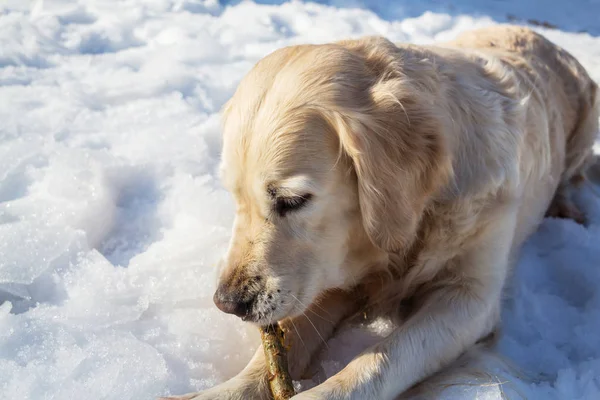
x: 399, y: 179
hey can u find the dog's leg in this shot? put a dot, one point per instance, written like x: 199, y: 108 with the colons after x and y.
x: 304, y: 335
x: 250, y: 383
x: 452, y: 318
x: 562, y: 205
x: 580, y: 161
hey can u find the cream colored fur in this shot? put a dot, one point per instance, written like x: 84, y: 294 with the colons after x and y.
x: 425, y: 169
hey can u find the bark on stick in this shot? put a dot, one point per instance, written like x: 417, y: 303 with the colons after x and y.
x: 279, y: 378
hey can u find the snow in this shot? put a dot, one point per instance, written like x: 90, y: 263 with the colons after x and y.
x: 112, y: 216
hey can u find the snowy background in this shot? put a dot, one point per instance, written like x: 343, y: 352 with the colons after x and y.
x: 112, y: 217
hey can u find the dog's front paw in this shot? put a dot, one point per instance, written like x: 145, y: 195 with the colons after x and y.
x: 319, y: 393
x: 333, y: 389
x: 204, y: 395
x: 310, y: 395
x: 189, y: 396
x: 235, y: 389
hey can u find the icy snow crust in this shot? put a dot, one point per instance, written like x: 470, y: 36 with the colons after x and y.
x: 112, y: 216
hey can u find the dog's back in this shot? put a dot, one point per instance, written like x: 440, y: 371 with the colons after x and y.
x: 562, y: 76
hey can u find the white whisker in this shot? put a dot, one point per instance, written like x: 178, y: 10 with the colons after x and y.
x: 315, y: 328
x: 312, y: 311
x: 298, y: 333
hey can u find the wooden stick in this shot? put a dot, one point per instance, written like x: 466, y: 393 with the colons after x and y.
x: 280, y: 380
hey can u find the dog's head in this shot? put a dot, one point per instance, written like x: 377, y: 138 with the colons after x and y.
x: 331, y: 153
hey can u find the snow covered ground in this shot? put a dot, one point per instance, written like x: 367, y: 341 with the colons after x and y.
x: 112, y: 217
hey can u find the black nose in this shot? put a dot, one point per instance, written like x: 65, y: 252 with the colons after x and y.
x: 232, y: 301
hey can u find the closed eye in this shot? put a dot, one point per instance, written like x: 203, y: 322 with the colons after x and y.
x: 285, y: 205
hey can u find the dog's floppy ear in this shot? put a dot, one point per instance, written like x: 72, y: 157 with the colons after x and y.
x: 400, y: 157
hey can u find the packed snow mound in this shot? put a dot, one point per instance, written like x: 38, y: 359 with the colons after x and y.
x: 112, y: 216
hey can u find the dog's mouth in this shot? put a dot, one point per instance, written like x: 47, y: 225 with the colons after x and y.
x: 258, y: 318
x: 270, y: 306
x: 260, y: 301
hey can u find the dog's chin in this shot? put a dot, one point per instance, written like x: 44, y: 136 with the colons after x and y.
x: 260, y: 317
x: 262, y: 320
